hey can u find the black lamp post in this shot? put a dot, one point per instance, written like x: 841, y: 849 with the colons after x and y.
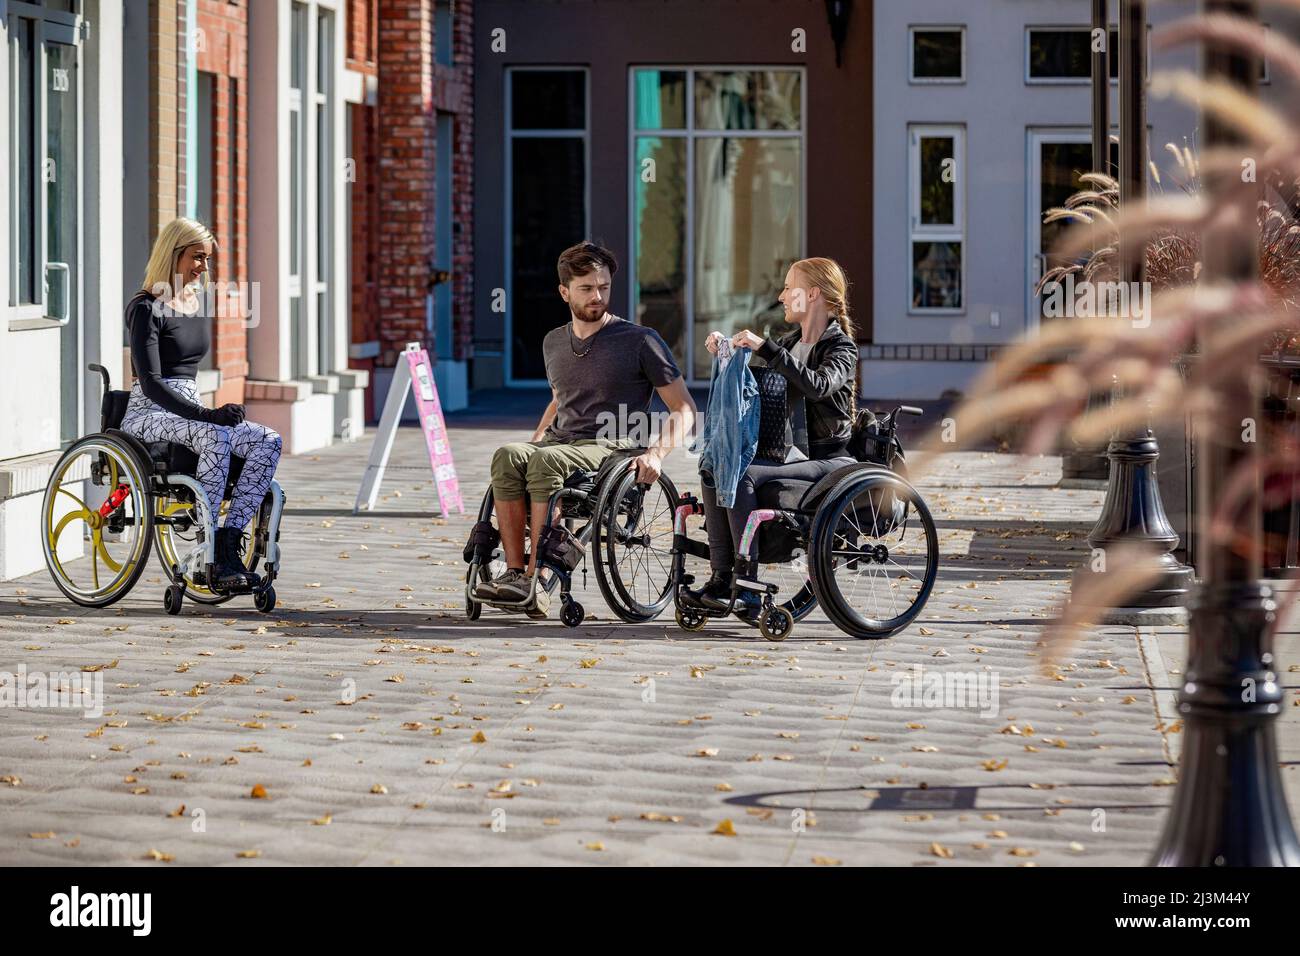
x: 1132, y: 512
x: 1230, y: 807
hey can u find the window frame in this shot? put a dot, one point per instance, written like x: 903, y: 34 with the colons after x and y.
x: 1113, y: 54
x: 915, y: 80
x: 947, y: 232
x: 691, y: 134
x: 57, y: 27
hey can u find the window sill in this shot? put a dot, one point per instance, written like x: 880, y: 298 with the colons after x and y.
x: 44, y: 322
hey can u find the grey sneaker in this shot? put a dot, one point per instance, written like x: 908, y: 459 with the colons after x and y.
x: 487, y: 590
x: 512, y: 586
x: 542, y: 604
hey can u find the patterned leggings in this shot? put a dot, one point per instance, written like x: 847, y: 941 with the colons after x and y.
x: 258, y: 445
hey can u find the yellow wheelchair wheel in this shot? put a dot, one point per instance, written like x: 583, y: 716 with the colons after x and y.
x: 179, y: 548
x: 97, y: 501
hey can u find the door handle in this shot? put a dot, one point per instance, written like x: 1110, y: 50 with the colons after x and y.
x: 67, y: 289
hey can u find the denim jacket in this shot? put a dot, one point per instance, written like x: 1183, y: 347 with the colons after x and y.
x: 727, y: 442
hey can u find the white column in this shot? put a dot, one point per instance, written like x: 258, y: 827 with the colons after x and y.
x: 103, y: 203
x: 268, y: 187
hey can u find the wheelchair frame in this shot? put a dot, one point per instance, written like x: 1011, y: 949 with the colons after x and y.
x: 776, y: 621
x: 559, y: 548
x: 188, y: 573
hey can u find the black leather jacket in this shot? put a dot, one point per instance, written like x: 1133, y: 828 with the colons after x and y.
x: 821, y: 423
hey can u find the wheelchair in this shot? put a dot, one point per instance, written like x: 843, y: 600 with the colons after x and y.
x: 860, y: 542
x: 628, y: 526
x: 125, y: 496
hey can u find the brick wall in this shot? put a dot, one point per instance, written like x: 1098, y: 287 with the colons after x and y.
x: 167, y: 91
x: 223, y: 52
x: 412, y: 91
x: 406, y: 157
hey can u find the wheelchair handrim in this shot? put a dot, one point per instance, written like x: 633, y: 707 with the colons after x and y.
x: 122, y: 469
x: 915, y: 572
x: 657, y: 558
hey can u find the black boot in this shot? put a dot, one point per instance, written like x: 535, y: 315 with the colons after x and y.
x: 718, y: 587
x: 228, y: 571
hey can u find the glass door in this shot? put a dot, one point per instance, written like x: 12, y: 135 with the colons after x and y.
x: 45, y: 159
x: 1057, y: 159
x: 62, y: 172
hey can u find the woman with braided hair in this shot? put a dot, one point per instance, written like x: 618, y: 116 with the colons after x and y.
x: 819, y: 360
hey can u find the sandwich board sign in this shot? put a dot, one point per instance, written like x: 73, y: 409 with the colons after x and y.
x: 412, y: 376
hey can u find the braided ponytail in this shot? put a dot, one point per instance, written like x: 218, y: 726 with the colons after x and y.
x: 828, y: 276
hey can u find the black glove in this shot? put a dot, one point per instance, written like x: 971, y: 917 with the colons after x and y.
x: 229, y: 415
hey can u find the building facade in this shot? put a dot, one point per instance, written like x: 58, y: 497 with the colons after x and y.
x: 998, y: 93
x: 299, y: 332
x: 709, y: 145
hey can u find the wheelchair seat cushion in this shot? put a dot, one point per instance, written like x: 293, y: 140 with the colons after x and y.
x: 174, y: 458
x: 783, y: 494
x: 795, y: 494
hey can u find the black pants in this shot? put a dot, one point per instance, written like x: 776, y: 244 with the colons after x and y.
x: 726, y: 525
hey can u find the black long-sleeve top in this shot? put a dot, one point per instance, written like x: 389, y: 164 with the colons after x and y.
x: 166, y: 344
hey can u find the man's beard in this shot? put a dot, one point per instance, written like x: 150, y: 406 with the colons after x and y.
x: 583, y: 314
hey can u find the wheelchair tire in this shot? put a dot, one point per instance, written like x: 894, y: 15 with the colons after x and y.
x: 473, y: 608
x: 775, y: 623
x: 120, y: 469
x: 856, y: 529
x: 264, y: 600
x: 169, y: 555
x: 620, y: 516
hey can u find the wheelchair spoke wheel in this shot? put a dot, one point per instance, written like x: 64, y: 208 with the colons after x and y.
x: 96, y: 520
x: 179, y: 546
x: 876, y: 555
x: 634, y: 546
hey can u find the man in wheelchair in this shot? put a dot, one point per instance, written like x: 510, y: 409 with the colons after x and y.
x: 602, y: 369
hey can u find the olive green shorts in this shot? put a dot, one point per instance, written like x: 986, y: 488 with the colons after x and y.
x: 540, y: 468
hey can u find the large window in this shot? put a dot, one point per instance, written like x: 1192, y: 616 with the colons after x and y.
x: 936, y: 189
x: 1064, y: 54
x: 546, y: 204
x: 717, y: 194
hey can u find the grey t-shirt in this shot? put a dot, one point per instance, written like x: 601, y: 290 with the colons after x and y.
x: 605, y: 392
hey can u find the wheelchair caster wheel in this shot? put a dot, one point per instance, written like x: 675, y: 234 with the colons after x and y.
x: 689, y: 620
x: 776, y: 623
x: 473, y: 609
x: 173, y: 597
x: 571, y: 614
x: 264, y: 601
